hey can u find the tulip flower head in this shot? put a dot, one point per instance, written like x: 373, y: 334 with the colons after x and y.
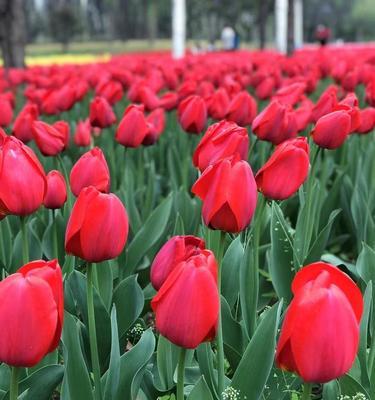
x: 320, y: 334
x: 31, y: 313
x: 187, y: 304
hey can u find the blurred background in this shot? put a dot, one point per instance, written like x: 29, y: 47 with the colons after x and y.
x: 44, y: 28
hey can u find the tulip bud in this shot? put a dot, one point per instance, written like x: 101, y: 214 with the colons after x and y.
x: 156, y: 125
x: 223, y: 139
x: 231, y: 209
x: 98, y: 226
x: 290, y: 94
x: 276, y: 123
x: 22, y: 127
x: 326, y: 103
x: 82, y: 136
x: 192, y: 114
x: 367, y: 118
x: 331, y: 130
x: 110, y: 90
x: 285, y: 171
x: 23, y: 181
x: 101, y: 113
x: 133, y: 127
x: 320, y: 334
x: 176, y: 250
x: 31, y: 313
x: 187, y: 305
x: 168, y: 101
x: 218, y: 104
x: 242, y: 109
x: 6, y: 114
x: 51, y: 139
x: 56, y: 190
x: 91, y: 169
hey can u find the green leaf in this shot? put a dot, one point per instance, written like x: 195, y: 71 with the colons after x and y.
x: 230, y: 282
x: 281, y: 254
x: 321, y: 241
x: 200, y: 391
x: 206, y: 366
x: 366, y: 263
x: 249, y: 289
x: 256, y: 364
x: 331, y: 390
x: 148, y: 235
x: 362, y: 351
x: 132, y: 366
x: 129, y: 300
x: 167, y: 359
x: 113, y: 375
x: 78, y: 380
x: 41, y: 384
x: 350, y: 387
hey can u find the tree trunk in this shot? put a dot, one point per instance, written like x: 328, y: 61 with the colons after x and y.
x: 12, y: 34
x: 290, y: 43
x: 262, y: 22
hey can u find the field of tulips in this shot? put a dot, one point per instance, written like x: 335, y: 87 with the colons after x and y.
x: 198, y: 229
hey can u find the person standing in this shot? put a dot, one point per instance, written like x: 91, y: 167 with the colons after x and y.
x: 228, y: 38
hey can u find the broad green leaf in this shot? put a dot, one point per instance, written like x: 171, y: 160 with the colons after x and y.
x: 281, y: 254
x: 200, y: 391
x: 230, y: 282
x: 113, y: 374
x: 77, y: 375
x: 249, y: 289
x: 129, y: 300
x: 167, y: 359
x: 206, y: 366
x: 148, y: 235
x: 350, y: 387
x: 256, y: 364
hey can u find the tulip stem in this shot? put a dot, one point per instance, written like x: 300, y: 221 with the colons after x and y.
x: 25, y: 241
x: 219, y: 340
x: 92, y: 333
x: 306, y: 394
x: 14, y: 384
x: 181, y: 374
x: 55, y: 241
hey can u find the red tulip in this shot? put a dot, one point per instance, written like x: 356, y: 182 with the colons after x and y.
x: 350, y: 104
x: 51, y: 139
x: 242, y: 109
x: 218, y: 104
x: 290, y: 94
x: 101, y: 113
x: 91, y: 169
x: 22, y: 127
x: 6, y: 114
x: 110, y: 90
x: 367, y: 118
x: 176, y: 250
x: 229, y: 194
x: 192, y: 114
x: 303, y: 114
x: 56, y: 190
x: 82, y: 136
x: 276, y: 123
x: 148, y: 98
x: 320, y: 334
x: 31, y: 313
x: 326, y: 103
x: 285, y: 171
x: 156, y: 125
x: 332, y: 129
x: 222, y: 140
x: 265, y: 88
x: 187, y: 305
x: 98, y: 226
x: 23, y: 181
x: 168, y: 101
x: 133, y: 127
